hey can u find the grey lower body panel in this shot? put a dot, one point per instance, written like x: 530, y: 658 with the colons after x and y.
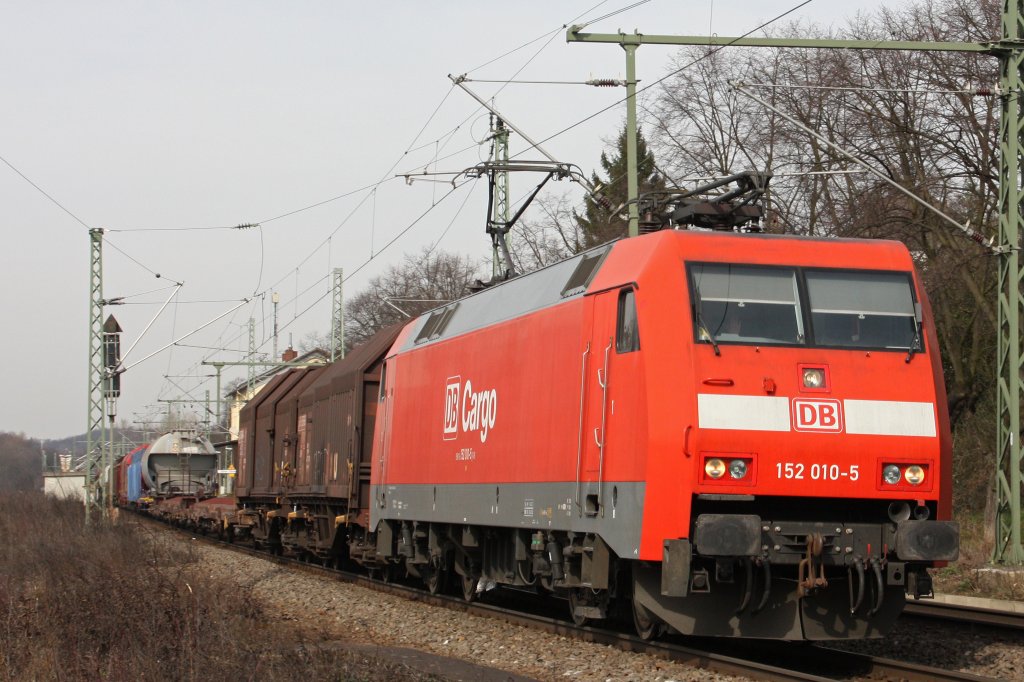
x: 540, y: 506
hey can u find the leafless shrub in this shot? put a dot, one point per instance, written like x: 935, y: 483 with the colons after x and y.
x: 102, y: 603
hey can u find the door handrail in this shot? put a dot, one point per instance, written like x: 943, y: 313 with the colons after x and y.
x: 579, y: 438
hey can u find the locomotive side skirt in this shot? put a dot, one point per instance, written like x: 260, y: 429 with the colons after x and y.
x: 530, y: 506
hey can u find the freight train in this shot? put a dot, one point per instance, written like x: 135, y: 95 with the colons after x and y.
x: 714, y: 434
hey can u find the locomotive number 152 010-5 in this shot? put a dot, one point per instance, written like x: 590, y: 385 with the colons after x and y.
x: 817, y: 472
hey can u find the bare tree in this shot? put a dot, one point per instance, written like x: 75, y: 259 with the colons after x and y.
x: 421, y: 282
x: 20, y: 461
x: 548, y: 235
x: 314, y: 340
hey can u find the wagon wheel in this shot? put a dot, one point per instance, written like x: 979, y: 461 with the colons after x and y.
x: 389, y: 573
x: 469, y: 587
x: 576, y: 599
x: 647, y: 625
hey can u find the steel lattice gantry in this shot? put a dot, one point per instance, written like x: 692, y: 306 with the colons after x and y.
x: 337, y: 316
x: 1010, y: 51
x: 1011, y: 304
x: 95, y: 425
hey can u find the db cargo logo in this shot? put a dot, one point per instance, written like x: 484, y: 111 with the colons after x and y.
x: 820, y: 415
x: 471, y: 411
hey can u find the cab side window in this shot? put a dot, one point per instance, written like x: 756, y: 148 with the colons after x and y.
x: 627, y: 331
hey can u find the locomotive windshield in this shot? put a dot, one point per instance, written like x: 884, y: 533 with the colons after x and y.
x: 862, y: 309
x: 747, y: 304
x: 763, y: 305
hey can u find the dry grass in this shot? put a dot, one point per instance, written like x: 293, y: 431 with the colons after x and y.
x: 101, y: 603
x: 973, y: 574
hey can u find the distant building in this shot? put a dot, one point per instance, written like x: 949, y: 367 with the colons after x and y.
x: 65, y: 485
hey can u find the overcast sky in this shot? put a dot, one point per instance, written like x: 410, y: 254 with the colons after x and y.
x: 144, y: 118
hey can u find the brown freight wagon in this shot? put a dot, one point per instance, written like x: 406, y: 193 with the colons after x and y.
x: 305, y: 444
x: 247, y: 438
x: 285, y: 431
x: 334, y: 436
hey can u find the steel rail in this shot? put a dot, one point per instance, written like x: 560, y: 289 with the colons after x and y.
x: 963, y: 613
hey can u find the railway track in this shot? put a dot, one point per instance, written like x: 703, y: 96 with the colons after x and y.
x: 962, y: 613
x: 783, y: 661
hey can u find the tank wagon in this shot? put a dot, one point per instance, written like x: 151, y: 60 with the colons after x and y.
x: 179, y: 463
x: 723, y: 434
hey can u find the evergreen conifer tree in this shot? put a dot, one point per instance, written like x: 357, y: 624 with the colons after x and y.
x: 601, y: 223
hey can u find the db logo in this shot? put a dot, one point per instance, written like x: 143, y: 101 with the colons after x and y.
x: 471, y: 410
x: 451, y: 408
x: 821, y: 415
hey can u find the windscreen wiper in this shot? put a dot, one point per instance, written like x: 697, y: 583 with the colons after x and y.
x: 915, y: 345
x: 702, y: 329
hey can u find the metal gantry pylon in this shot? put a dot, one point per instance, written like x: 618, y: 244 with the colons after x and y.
x: 95, y: 423
x: 251, y: 375
x: 500, y: 209
x: 337, y: 315
x: 1008, y: 546
x: 1010, y: 387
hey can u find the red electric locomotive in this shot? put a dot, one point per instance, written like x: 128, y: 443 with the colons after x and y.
x: 728, y: 434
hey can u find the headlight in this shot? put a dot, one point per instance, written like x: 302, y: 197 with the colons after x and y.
x: 891, y: 474
x: 814, y: 378
x: 714, y: 468
x: 914, y: 475
x: 737, y: 468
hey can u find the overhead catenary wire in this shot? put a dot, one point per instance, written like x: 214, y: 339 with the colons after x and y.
x: 612, y: 14
x: 298, y: 314
x: 593, y: 82
x: 543, y: 36
x: 44, y: 193
x: 174, y: 293
x: 138, y: 262
x: 185, y: 336
x: 661, y: 80
x: 980, y: 91
x: 75, y: 217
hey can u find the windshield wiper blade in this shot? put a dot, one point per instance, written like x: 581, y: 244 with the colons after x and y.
x: 702, y: 329
x: 704, y: 335
x: 915, y: 345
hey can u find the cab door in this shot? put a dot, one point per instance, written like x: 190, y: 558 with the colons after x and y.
x: 612, y: 383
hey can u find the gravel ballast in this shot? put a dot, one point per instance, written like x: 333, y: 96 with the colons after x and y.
x: 367, y: 620
x: 362, y: 617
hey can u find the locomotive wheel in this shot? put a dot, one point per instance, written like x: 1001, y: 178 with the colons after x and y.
x: 469, y: 587
x: 576, y: 598
x: 434, y: 580
x: 646, y: 623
